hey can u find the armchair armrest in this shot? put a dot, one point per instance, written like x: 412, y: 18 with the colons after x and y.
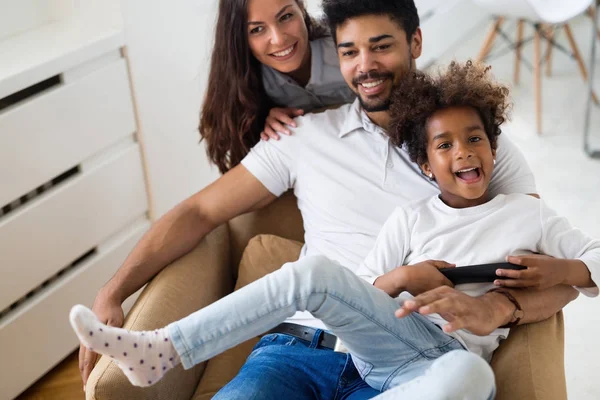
x: 188, y: 284
x: 529, y: 364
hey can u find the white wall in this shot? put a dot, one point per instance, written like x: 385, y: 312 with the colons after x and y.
x: 169, y: 47
x: 313, y: 7
x: 18, y: 16
x: 445, y: 24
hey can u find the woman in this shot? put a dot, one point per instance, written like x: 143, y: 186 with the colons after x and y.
x: 267, y: 53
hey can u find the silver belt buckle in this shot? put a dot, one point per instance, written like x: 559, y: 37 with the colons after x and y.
x: 339, y: 346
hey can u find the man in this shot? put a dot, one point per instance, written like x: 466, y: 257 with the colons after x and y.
x: 348, y: 178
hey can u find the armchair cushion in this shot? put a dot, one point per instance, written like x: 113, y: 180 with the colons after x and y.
x: 264, y: 254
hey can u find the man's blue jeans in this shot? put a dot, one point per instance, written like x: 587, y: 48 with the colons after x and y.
x: 284, y: 367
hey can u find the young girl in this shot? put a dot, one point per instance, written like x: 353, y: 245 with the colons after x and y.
x: 450, y: 126
x: 267, y: 53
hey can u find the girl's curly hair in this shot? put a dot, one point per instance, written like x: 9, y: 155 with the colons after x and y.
x: 419, y: 96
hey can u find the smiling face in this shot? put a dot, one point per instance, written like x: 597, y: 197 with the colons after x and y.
x: 374, y: 55
x: 459, y: 156
x: 277, y: 34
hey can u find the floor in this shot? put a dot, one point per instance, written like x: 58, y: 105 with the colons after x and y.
x: 567, y: 179
x: 62, y: 383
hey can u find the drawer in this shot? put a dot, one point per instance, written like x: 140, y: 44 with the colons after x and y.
x: 51, y: 133
x: 37, y: 335
x: 49, y: 233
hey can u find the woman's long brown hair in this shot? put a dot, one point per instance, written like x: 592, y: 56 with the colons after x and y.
x: 236, y: 106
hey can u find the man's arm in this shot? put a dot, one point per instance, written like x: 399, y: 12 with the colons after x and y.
x: 171, y: 237
x: 538, y: 305
x: 180, y: 230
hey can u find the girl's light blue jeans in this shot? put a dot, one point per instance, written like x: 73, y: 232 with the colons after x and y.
x: 387, y: 351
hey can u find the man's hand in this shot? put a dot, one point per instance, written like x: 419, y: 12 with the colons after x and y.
x: 277, y: 120
x: 109, y: 311
x: 542, y: 272
x: 415, y: 279
x: 480, y: 315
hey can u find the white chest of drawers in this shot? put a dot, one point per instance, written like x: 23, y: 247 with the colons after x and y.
x: 73, y: 198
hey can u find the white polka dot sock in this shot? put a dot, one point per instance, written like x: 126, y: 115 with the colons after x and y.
x: 144, y: 357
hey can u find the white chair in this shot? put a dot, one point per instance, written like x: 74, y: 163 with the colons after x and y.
x: 546, y: 16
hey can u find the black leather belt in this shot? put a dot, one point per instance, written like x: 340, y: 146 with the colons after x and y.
x: 307, y: 333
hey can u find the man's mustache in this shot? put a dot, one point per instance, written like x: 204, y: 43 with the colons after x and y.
x: 371, y: 76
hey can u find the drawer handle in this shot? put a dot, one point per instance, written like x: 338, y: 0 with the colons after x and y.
x: 21, y: 201
x: 48, y: 282
x: 29, y: 92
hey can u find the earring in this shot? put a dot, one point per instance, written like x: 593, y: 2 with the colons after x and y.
x: 494, y: 161
x: 430, y: 176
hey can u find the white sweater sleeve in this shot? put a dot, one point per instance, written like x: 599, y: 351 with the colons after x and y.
x: 560, y: 239
x: 390, y: 250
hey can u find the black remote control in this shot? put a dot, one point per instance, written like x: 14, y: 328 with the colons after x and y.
x: 477, y: 273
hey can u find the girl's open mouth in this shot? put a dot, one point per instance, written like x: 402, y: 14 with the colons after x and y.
x: 469, y: 175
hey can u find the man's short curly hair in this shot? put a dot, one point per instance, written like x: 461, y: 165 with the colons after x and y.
x: 403, y: 12
x: 418, y: 97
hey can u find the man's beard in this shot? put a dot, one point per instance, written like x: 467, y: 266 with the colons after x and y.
x: 378, y: 104
x: 374, y: 104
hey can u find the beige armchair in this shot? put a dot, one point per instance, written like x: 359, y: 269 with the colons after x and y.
x: 529, y: 365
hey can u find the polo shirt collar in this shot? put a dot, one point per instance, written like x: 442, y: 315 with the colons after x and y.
x: 280, y: 79
x: 357, y: 119
x: 354, y: 119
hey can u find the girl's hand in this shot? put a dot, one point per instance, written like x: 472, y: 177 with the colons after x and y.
x: 277, y: 120
x: 542, y: 272
x: 425, y: 276
x: 415, y: 279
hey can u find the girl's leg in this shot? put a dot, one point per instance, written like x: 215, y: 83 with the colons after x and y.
x: 145, y: 357
x: 361, y: 315
x: 457, y: 375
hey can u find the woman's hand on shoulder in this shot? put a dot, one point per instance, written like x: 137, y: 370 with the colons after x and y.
x: 277, y: 120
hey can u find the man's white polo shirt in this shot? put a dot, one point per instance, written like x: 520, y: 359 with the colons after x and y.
x: 349, y: 178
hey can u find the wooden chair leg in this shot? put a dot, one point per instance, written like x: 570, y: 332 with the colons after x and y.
x: 591, y: 12
x: 488, y: 42
x: 550, y: 36
x: 538, y: 79
x: 579, y: 59
x: 520, y: 26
